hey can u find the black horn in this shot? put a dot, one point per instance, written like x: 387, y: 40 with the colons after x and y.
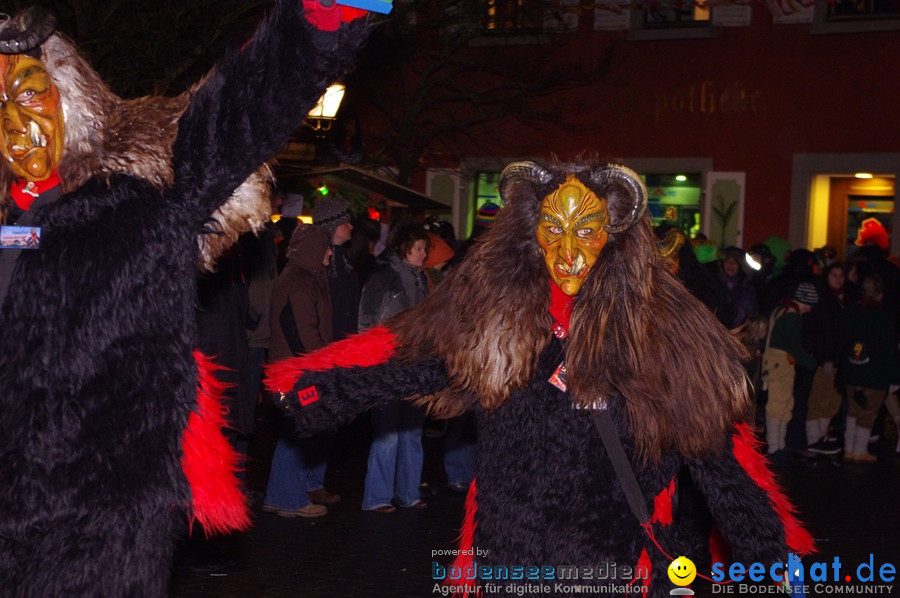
x: 522, y: 171
x: 616, y: 174
x: 27, y: 30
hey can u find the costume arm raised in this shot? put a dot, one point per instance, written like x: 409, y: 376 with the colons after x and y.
x: 327, y: 388
x: 246, y: 109
x: 749, y: 508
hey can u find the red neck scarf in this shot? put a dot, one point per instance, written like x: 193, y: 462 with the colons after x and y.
x: 560, y: 306
x: 24, y: 192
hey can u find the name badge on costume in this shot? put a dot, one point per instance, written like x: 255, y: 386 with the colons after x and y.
x: 20, y: 237
x: 558, y: 379
x: 308, y: 395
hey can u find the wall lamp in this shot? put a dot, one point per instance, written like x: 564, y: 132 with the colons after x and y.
x: 322, y: 116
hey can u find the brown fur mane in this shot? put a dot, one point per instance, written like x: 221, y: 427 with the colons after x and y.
x: 488, y: 319
x: 636, y: 330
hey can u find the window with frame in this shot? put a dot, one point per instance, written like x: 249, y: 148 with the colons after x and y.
x: 671, y: 19
x: 522, y: 16
x: 669, y: 13
x: 856, y: 16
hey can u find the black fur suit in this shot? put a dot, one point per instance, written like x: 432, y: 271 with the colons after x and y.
x: 96, y: 366
x: 545, y: 491
x: 547, y: 494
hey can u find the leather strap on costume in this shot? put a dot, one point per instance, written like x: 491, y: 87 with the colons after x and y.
x: 625, y: 474
x: 621, y: 465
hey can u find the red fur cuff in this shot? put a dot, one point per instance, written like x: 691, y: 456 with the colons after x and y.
x: 368, y: 348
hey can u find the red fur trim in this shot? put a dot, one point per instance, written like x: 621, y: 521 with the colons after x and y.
x: 662, y: 505
x: 747, y: 453
x: 719, y: 549
x: 642, y: 573
x: 208, y: 460
x: 371, y: 347
x: 466, y: 537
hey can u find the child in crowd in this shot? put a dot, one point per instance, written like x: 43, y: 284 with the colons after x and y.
x: 783, y: 349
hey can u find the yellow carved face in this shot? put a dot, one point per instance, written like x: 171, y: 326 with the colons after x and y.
x: 570, y: 233
x: 31, y: 118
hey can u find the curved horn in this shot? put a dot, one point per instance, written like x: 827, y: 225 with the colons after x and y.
x: 522, y: 171
x: 671, y: 242
x: 615, y: 174
x: 27, y: 30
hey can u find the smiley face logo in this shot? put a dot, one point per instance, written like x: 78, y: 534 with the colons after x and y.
x: 682, y: 571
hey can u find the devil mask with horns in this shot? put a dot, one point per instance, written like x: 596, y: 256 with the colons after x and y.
x: 62, y: 124
x: 110, y: 420
x: 570, y: 275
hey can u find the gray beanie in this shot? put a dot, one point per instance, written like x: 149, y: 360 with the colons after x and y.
x: 806, y: 293
x: 330, y: 213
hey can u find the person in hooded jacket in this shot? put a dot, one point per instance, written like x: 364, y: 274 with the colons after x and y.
x: 300, y: 322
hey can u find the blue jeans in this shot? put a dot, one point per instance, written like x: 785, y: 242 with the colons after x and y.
x: 459, y: 449
x: 298, y: 467
x: 395, y: 457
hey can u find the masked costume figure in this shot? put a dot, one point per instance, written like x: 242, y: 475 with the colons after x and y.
x: 98, y: 372
x: 635, y: 346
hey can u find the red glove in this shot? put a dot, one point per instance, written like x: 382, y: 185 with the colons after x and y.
x: 329, y: 18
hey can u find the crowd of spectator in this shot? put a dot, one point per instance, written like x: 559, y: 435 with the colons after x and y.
x: 822, y: 335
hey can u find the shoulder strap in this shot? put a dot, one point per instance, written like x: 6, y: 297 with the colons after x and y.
x: 776, y: 313
x: 621, y: 465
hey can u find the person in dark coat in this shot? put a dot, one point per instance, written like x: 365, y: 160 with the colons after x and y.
x: 109, y: 420
x: 870, y: 364
x: 333, y: 214
x: 739, y: 292
x: 301, y: 322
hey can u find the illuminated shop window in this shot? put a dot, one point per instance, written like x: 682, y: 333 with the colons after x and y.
x: 674, y: 199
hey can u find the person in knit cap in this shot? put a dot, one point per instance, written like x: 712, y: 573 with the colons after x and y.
x: 782, y: 351
x: 333, y: 215
x: 872, y: 232
x: 872, y: 258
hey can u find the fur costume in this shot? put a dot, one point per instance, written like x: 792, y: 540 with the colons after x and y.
x: 98, y: 372
x: 108, y: 135
x: 638, y: 345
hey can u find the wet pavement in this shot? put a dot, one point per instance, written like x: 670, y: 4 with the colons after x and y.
x: 851, y: 510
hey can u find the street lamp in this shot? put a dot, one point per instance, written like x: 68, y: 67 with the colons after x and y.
x: 324, y: 112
